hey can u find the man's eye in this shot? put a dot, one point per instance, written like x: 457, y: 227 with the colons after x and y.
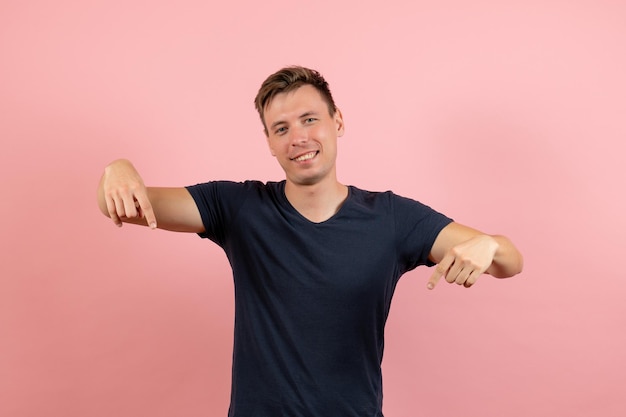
x: 280, y: 130
x: 310, y: 120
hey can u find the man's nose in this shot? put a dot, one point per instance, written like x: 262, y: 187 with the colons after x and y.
x: 298, y: 135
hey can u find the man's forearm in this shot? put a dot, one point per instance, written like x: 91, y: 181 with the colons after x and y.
x: 508, y: 261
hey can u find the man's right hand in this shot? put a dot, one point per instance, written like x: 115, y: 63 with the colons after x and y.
x: 123, y: 195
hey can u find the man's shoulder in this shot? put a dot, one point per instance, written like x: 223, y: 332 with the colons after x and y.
x: 246, y: 185
x: 386, y: 200
x: 369, y: 196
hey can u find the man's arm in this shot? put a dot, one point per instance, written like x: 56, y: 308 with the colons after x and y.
x: 124, y: 198
x: 463, y: 254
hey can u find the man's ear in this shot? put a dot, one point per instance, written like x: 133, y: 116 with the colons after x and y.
x: 339, y: 123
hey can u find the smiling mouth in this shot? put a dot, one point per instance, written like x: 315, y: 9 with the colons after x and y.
x: 305, y: 157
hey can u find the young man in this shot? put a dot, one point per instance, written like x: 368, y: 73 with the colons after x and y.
x: 315, y: 262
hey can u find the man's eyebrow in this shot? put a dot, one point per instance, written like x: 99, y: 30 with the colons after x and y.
x: 279, y: 122
x: 307, y: 114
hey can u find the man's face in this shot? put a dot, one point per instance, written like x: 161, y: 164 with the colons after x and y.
x: 302, y: 135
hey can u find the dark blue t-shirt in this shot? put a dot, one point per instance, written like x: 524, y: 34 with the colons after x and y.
x: 312, y: 299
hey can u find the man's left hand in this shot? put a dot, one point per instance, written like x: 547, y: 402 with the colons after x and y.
x: 464, y: 263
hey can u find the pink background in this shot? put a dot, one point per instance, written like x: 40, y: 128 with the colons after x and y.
x: 507, y: 116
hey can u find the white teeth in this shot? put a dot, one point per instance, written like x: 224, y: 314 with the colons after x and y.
x: 305, y: 157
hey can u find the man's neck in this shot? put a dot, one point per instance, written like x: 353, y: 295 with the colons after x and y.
x: 317, y: 202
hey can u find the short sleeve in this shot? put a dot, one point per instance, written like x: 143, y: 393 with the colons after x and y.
x: 218, y: 203
x: 417, y: 226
